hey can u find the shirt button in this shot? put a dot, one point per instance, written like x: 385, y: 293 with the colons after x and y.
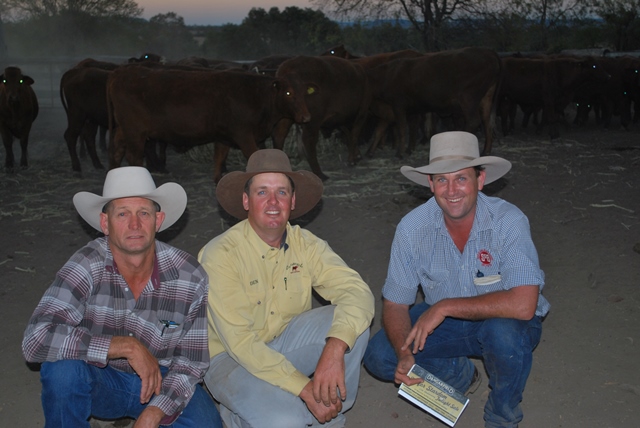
x: 126, y: 288
x: 272, y: 313
x: 130, y: 334
x: 259, y: 302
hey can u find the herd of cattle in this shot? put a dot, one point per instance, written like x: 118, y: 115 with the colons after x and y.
x: 147, y: 104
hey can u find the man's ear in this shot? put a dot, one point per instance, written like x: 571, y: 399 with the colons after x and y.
x: 104, y: 224
x: 293, y: 201
x: 160, y: 216
x: 245, y: 201
x: 482, y: 176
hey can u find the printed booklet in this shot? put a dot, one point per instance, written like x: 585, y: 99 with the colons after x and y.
x: 435, y: 396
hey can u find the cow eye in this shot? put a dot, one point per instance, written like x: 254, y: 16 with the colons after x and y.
x: 21, y: 81
x: 288, y: 93
x: 310, y: 90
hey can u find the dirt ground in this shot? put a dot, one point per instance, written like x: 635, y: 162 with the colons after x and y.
x: 582, y: 196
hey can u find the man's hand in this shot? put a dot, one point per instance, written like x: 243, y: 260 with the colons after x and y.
x: 141, y: 361
x: 402, y: 369
x: 425, y: 325
x: 328, y: 379
x: 149, y: 418
x: 318, y: 409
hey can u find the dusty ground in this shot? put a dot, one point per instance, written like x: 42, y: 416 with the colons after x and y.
x: 581, y: 194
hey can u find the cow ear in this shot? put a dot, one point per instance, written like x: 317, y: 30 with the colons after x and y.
x: 28, y: 80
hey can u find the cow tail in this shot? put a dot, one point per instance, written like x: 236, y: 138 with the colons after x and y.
x: 63, y: 100
x: 112, y: 124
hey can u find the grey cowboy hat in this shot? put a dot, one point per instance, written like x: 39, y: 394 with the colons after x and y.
x: 453, y: 151
x: 308, y: 187
x: 132, y: 182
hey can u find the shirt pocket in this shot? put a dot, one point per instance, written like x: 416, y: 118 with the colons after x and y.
x: 293, y: 297
x: 435, y: 278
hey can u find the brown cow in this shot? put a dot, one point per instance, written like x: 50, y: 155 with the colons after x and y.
x: 547, y: 83
x: 188, y: 108
x: 460, y: 83
x: 337, y: 94
x: 83, y: 96
x: 18, y: 110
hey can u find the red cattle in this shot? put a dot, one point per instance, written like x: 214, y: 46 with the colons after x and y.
x: 460, y: 84
x: 337, y: 94
x: 83, y: 96
x: 548, y: 83
x: 18, y: 110
x: 611, y: 97
x: 188, y: 108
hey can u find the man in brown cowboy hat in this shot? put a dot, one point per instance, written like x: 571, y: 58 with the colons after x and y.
x: 476, y: 263
x: 122, y: 330
x: 276, y: 362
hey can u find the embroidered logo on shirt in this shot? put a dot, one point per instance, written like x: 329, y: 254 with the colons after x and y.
x: 294, y: 268
x: 485, y: 258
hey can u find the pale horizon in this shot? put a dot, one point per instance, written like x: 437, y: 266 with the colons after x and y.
x: 213, y: 12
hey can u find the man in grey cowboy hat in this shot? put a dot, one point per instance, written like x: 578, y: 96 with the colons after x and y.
x: 476, y: 263
x: 121, y: 331
x: 276, y: 362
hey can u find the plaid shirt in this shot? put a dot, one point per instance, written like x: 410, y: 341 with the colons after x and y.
x: 89, y: 302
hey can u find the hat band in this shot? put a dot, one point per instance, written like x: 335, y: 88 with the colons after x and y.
x: 443, y: 158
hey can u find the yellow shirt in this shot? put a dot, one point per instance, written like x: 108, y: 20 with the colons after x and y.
x: 255, y: 290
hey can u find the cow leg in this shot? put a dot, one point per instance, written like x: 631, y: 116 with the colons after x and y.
x: 71, y: 135
x: 89, y: 131
x: 310, y: 141
x: 117, y: 148
x: 378, y: 134
x: 24, y: 143
x: 280, y: 132
x: 7, y: 139
x: 220, y: 154
x: 103, y: 138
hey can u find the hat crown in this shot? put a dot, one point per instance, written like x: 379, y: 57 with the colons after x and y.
x: 268, y: 160
x: 453, y: 145
x: 129, y: 181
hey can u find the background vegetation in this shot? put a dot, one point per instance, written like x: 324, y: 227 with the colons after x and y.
x: 80, y: 28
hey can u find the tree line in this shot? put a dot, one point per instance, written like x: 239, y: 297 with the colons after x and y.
x: 114, y: 27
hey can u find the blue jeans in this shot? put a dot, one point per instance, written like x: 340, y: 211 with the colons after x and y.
x: 246, y: 401
x: 73, y: 391
x: 505, y: 346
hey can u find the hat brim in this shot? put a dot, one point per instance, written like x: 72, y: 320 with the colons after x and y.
x: 171, y: 197
x: 308, y: 191
x: 494, y: 168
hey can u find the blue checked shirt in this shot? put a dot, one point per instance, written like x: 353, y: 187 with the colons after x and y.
x: 499, y: 255
x: 89, y: 302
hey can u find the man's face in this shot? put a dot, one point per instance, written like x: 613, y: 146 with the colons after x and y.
x: 131, y: 225
x: 269, y: 202
x: 457, y: 193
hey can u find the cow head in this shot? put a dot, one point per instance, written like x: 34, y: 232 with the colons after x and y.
x: 290, y: 103
x: 13, y: 81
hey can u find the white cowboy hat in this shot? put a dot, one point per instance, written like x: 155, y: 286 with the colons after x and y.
x: 131, y: 182
x: 453, y: 151
x: 308, y: 187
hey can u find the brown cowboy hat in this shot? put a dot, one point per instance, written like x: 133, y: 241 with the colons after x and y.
x: 308, y: 187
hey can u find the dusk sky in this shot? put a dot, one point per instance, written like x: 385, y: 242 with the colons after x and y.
x: 213, y: 12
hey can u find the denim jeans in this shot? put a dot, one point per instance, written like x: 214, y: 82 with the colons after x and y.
x: 73, y: 391
x: 505, y: 346
x: 246, y: 401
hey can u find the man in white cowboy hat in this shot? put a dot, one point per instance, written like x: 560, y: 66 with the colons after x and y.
x: 121, y: 331
x: 276, y: 362
x: 476, y: 263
